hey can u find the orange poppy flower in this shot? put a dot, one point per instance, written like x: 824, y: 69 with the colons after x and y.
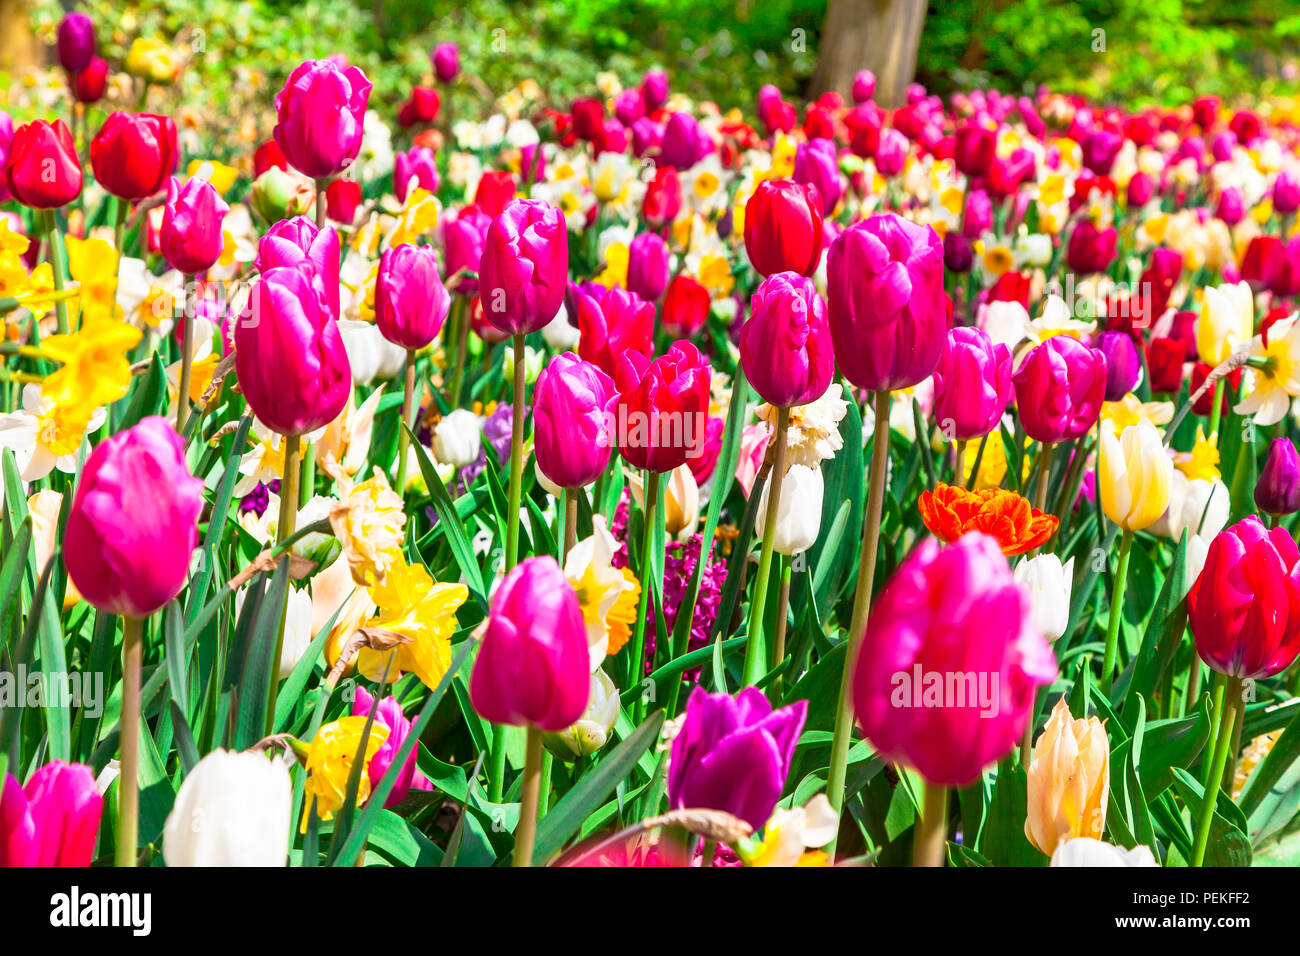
x: 950, y: 511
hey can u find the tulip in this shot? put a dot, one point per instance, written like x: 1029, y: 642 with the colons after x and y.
x: 89, y: 85
x: 681, y: 143
x: 1286, y: 192
x: 1140, y: 190
x: 289, y: 355
x: 133, y: 154
x: 1060, y: 387
x: 1278, y: 490
x: 958, y: 255
x: 663, y: 197
x: 1263, y: 263
x: 799, y: 518
x: 463, y: 239
x: 733, y: 754
x: 458, y: 438
x: 975, y: 149
x: 864, y: 86
x: 647, y: 266
x: 1231, y: 207
x: 53, y: 821
x: 1090, y: 249
x: 949, y: 611
x: 1198, y: 506
x: 43, y: 170
x: 389, y: 714
x: 663, y: 406
x: 609, y: 326
x: 233, y: 809
x: 342, y: 200
x: 783, y: 227
x: 1085, y: 851
x: 590, y: 731
x: 654, y: 88
x: 446, y: 62
x: 1100, y: 147
x: 494, y: 192
x: 410, y: 301
x: 686, y: 306
x: 1048, y: 583
x: 191, y: 237
x: 292, y: 242
x: 419, y: 163
x: 123, y: 565
x: 76, y: 41
x: 972, y: 384
x: 1165, y: 359
x: 1123, y: 367
x: 885, y: 302
x: 1227, y: 320
x: 276, y: 195
x: 785, y: 347
x: 891, y: 154
x: 525, y: 266
x: 574, y: 407
x: 1068, y: 781
x: 320, y: 115
x: 816, y: 163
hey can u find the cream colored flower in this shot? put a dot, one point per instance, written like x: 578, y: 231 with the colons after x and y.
x: 1068, y: 780
x: 814, y: 432
x: 368, y: 523
x: 589, y: 568
x: 1135, y: 475
x: 1227, y: 321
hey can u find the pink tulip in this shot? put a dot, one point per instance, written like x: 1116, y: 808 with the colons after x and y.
x: 289, y: 354
x: 608, y: 326
x: 53, y: 821
x: 948, y: 669
x: 972, y: 384
x: 886, y: 302
x: 462, y: 241
x: 647, y: 266
x: 191, y: 238
x: 574, y: 408
x: 133, y: 523
x: 410, y: 301
x: 532, y: 665
x: 419, y: 163
x: 785, y: 347
x: 1060, y: 387
x: 291, y: 241
x: 389, y: 714
x: 320, y: 117
x: 525, y: 266
x: 446, y: 62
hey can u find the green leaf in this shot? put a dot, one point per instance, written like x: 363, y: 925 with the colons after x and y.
x: 1228, y: 844
x: 450, y: 524
x: 1003, y: 840
x: 148, y: 397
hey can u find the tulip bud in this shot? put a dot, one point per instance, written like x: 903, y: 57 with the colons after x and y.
x: 972, y: 384
x: 686, y: 306
x: 458, y: 439
x: 949, y: 613
x: 1123, y: 367
x: 1091, y: 250
x: 525, y: 265
x: 1227, y: 320
x: 733, y: 753
x: 1100, y: 147
x: 817, y: 163
x: 785, y: 347
x: 799, y: 515
x: 891, y: 154
x: 885, y: 302
x: 53, y: 821
x: 410, y: 301
x: 608, y: 326
x: 293, y: 369
x: 663, y: 197
x: 462, y: 240
x: 1060, y: 387
x: 76, y: 41
x: 533, y: 665
x: 1286, y: 192
x: 121, y: 564
x: 494, y: 192
x: 663, y: 407
x: 342, y: 199
x: 1240, y: 608
x: 590, y: 732
x: 647, y: 266
x: 446, y: 62
x: 320, y: 115
x: 864, y: 86
x: 419, y: 164
x: 277, y: 195
x: 1278, y: 490
x: 1048, y: 584
x: 1068, y: 781
x: 232, y: 810
x: 133, y: 154
x: 191, y: 237
x: 88, y: 85
x: 783, y: 228
x: 1135, y: 475
x: 574, y: 408
x: 43, y: 170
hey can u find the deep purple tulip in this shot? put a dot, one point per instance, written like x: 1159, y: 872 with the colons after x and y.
x: 1278, y: 490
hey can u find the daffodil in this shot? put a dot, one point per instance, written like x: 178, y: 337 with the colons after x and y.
x: 1274, y: 373
x: 95, y: 367
x: 412, y: 606
x: 369, y: 522
x: 589, y: 567
x: 329, y: 765
x: 419, y: 215
x: 792, y: 837
x: 44, y: 436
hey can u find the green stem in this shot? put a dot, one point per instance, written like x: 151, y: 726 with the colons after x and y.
x: 461, y: 313
x: 59, y: 266
x: 1217, y: 411
x: 932, y: 828
x: 187, y: 362
x: 570, y: 520
x: 782, y: 611
x: 516, y: 458
x: 651, y: 514
x: 756, y: 648
x: 128, y: 785
x: 403, y: 437
x: 861, y: 607
x: 321, y: 186
x: 1116, y: 611
x: 528, y: 801
x: 285, y: 526
x: 497, y: 767
x: 1231, y: 701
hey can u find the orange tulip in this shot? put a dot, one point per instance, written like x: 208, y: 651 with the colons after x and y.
x: 950, y: 511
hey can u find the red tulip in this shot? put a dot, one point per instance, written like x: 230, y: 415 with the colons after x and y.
x: 133, y: 154
x: 686, y: 306
x: 88, y: 85
x: 611, y: 323
x: 663, y: 408
x: 663, y: 197
x: 783, y: 228
x: 43, y: 170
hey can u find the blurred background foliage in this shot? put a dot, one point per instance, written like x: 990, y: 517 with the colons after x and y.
x: 1126, y: 51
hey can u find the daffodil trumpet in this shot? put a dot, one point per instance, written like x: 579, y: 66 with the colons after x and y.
x: 128, y: 792
x: 755, y: 646
x: 861, y: 606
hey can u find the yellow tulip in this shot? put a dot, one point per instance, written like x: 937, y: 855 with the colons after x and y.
x: 1068, y: 781
x: 1135, y: 475
x: 1227, y: 320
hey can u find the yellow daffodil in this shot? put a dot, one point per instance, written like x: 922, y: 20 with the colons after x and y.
x: 95, y: 367
x: 368, y: 523
x: 329, y: 764
x: 1130, y: 410
x: 153, y: 59
x: 413, y: 606
x: 93, y: 264
x: 1135, y: 475
x: 419, y: 215
x: 1202, y: 461
x: 615, y: 271
x: 791, y: 837
x: 1274, y: 373
x: 219, y: 174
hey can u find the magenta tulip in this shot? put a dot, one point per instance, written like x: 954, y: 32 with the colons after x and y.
x: 446, y: 62
x: 951, y: 661
x: 972, y: 385
x: 574, y: 409
x: 1091, y: 249
x: 410, y: 301
x: 816, y: 163
x: 420, y: 164
x: 133, y: 524
x: 389, y: 714
x: 320, y: 117
x: 610, y: 323
x: 647, y: 266
x: 886, y: 302
x: 1060, y: 387
x: 532, y: 665
x: 462, y: 241
x: 191, y: 238
x: 525, y: 266
x: 291, y: 241
x: 75, y: 41
x: 53, y: 821
x: 289, y: 354
x: 785, y: 347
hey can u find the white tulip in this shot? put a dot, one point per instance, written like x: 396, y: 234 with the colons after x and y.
x: 1048, y: 583
x: 232, y: 810
x: 1197, y: 505
x: 590, y: 732
x: 799, y: 516
x: 561, y: 334
x: 458, y: 438
x: 370, y: 355
x: 1085, y: 851
x: 297, y: 627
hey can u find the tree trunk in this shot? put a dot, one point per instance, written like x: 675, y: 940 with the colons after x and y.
x: 18, y: 47
x: 877, y: 35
